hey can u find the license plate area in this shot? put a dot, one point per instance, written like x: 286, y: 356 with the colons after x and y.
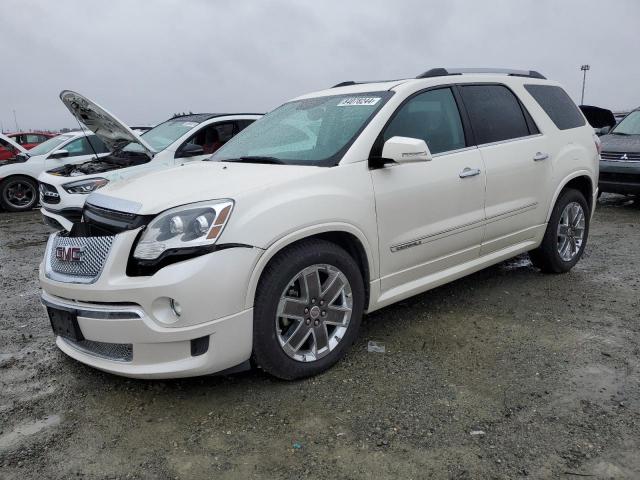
x: 65, y: 323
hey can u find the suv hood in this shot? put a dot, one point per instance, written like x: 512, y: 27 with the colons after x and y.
x: 113, y: 132
x: 195, y: 182
x: 620, y: 143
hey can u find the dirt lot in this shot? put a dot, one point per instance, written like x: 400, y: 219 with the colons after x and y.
x: 505, y: 374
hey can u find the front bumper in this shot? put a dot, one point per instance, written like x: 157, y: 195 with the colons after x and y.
x: 211, y: 289
x: 61, y: 220
x: 619, y: 177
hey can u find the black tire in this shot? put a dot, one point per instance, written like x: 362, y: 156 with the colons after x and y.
x: 268, y: 354
x: 25, y: 184
x: 546, y: 257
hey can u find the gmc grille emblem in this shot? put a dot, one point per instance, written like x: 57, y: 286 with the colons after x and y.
x: 69, y: 254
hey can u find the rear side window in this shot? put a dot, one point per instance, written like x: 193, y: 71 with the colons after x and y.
x: 495, y: 113
x: 558, y: 105
x: 431, y: 116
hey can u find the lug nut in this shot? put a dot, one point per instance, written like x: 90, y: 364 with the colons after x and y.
x: 308, y: 321
x: 316, y: 323
x: 321, y: 302
x: 306, y: 310
x: 313, y: 300
x: 324, y: 314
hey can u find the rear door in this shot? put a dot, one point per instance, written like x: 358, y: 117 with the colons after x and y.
x: 517, y: 161
x: 429, y: 214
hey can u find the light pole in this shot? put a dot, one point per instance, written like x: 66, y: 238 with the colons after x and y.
x: 584, y: 69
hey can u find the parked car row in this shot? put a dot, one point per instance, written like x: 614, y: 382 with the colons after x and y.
x: 67, y: 167
x: 336, y: 203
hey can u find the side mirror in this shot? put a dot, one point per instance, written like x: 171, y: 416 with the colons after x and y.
x: 604, y: 130
x: 59, y: 154
x: 190, y: 150
x: 404, y: 150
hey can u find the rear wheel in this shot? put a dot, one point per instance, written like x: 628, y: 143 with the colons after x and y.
x: 18, y: 193
x: 308, y: 309
x: 566, y: 235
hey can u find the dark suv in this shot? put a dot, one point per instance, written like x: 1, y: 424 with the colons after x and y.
x: 620, y: 163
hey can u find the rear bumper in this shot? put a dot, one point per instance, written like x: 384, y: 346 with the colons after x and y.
x: 619, y: 177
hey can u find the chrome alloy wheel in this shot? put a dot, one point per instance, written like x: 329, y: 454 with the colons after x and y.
x: 19, y: 194
x: 571, y: 231
x: 314, y: 312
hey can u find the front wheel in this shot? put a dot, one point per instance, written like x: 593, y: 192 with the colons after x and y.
x: 566, y: 235
x: 18, y: 193
x: 308, y: 309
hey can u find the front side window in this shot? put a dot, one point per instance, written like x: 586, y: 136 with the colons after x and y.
x: 80, y: 146
x: 432, y: 116
x: 212, y: 137
x: 495, y: 113
x: 313, y: 131
x: 32, y: 138
x: 630, y: 125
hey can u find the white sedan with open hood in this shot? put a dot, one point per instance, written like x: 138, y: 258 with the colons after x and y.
x: 18, y: 175
x: 179, y: 140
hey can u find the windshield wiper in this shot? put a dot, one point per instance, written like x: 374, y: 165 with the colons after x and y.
x: 620, y: 133
x: 256, y: 159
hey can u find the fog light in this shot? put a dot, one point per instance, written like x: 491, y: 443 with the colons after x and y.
x: 176, y: 307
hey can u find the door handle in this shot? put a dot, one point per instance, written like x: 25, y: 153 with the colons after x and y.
x: 469, y: 172
x: 540, y: 156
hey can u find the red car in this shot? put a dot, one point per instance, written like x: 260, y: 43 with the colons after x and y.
x: 31, y: 139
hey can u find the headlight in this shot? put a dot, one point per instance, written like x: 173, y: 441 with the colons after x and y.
x: 85, y: 186
x: 193, y: 225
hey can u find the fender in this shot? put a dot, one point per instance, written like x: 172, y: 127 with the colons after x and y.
x: 563, y: 183
x: 301, y: 234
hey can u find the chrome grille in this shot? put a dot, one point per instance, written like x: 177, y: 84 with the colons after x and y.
x: 119, y: 352
x: 86, y: 263
x: 621, y: 156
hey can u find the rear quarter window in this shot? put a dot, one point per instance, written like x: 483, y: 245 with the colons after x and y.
x: 558, y: 105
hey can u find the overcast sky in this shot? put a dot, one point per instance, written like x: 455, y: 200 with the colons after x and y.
x: 144, y: 59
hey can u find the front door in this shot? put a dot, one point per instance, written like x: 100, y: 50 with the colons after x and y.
x: 430, y: 214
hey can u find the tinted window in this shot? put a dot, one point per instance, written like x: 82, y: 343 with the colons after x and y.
x: 495, y: 113
x: 557, y: 104
x: 431, y: 116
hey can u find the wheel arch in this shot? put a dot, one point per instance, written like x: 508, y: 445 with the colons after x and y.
x: 350, y: 238
x: 581, y: 181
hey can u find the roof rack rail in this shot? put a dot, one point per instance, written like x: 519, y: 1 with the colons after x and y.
x: 442, y: 72
x: 363, y: 82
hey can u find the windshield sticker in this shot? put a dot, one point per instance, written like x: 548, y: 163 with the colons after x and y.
x: 189, y: 124
x: 354, y: 101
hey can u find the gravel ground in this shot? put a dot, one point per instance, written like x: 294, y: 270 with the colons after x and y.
x: 507, y: 373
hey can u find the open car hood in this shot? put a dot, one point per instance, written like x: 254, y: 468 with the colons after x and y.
x: 4, y: 140
x: 113, y: 132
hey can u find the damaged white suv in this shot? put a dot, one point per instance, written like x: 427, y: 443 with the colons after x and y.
x: 337, y: 203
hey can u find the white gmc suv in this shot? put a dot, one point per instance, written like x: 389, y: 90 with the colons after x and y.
x: 337, y: 203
